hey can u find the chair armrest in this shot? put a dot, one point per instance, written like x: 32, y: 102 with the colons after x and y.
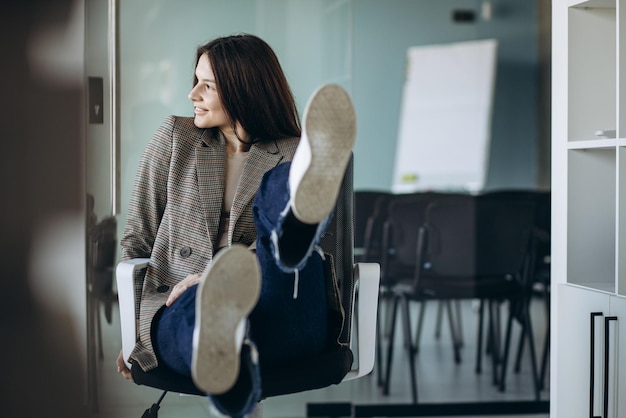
x: 367, y: 278
x: 125, y: 273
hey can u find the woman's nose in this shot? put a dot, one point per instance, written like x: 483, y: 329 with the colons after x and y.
x: 192, y: 93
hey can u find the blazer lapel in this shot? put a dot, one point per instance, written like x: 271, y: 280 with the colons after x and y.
x: 262, y: 158
x: 210, y: 166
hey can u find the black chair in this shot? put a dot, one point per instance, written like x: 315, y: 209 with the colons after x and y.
x: 373, y: 233
x: 370, y: 208
x: 332, y: 366
x: 540, y: 276
x: 471, y: 248
x: 506, y: 195
x: 404, y: 217
x: 538, y: 280
x: 366, y: 204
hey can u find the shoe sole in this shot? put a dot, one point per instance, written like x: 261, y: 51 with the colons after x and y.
x: 329, y: 128
x: 227, y: 294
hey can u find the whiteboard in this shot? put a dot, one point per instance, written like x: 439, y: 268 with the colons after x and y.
x: 445, y: 121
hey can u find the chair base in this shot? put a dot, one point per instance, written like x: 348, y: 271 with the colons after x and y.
x: 275, y: 381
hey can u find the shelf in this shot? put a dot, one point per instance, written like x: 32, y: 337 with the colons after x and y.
x: 606, y: 287
x: 593, y: 144
x: 591, y: 219
x: 592, y: 80
x: 592, y: 4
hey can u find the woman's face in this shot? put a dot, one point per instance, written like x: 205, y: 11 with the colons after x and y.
x: 207, y: 105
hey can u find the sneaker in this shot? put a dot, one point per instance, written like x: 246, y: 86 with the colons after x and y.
x: 227, y: 293
x: 319, y: 163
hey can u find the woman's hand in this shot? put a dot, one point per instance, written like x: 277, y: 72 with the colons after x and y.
x: 183, y: 285
x: 121, y: 367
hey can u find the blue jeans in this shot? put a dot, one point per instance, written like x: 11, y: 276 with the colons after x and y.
x: 289, y: 322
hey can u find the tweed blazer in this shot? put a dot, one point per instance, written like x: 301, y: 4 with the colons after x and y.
x: 174, y: 211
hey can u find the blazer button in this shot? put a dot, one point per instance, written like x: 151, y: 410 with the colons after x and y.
x: 163, y: 288
x: 185, y: 252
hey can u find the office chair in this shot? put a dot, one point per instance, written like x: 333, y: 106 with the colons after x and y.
x: 370, y: 212
x: 404, y: 217
x: 330, y: 367
x: 471, y: 248
x: 404, y: 214
x: 540, y: 275
x: 537, y: 281
x: 367, y: 206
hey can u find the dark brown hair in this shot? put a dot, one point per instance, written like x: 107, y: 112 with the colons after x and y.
x: 252, y: 86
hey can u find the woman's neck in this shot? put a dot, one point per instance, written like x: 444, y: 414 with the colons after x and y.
x: 235, y: 141
x: 236, y: 146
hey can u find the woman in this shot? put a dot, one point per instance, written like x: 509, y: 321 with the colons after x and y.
x: 231, y: 224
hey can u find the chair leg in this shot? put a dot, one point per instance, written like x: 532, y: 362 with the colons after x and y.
x: 527, y: 333
x: 531, y: 346
x: 544, y: 359
x: 408, y: 344
x: 459, y: 322
x: 439, y: 319
x: 420, y: 325
x: 379, y: 354
x: 384, y: 329
x: 494, y: 338
x: 520, y: 351
x: 456, y: 345
x: 389, y: 317
x: 546, y: 345
x: 153, y: 411
x: 392, y: 330
x: 488, y: 346
x: 507, y: 345
x: 479, y: 339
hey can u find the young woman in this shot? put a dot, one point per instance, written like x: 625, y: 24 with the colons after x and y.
x: 229, y: 206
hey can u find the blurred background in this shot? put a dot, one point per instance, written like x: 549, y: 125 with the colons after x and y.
x: 86, y: 83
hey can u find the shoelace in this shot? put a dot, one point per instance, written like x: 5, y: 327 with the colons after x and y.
x: 296, y: 283
x: 296, y: 273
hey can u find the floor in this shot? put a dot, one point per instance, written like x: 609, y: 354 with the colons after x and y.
x: 440, y: 380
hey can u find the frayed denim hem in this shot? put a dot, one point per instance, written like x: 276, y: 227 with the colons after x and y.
x: 313, y: 243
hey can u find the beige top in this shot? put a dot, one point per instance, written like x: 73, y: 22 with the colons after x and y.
x: 234, y: 167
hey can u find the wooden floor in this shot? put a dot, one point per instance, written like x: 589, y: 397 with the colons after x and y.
x: 440, y: 381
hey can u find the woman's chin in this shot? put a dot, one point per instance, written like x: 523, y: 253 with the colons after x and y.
x: 200, y: 123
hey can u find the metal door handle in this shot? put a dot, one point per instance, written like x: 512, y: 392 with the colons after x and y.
x: 606, y: 363
x: 592, y: 363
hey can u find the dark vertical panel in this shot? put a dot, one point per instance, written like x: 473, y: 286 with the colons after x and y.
x: 40, y: 177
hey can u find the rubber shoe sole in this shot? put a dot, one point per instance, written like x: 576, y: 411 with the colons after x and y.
x: 226, y: 295
x: 319, y: 163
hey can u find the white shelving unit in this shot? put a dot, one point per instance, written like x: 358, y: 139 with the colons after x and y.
x: 589, y: 209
